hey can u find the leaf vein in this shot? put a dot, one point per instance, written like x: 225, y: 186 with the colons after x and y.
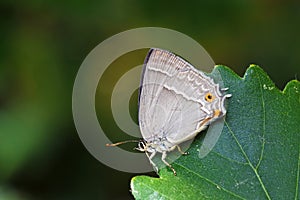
x: 229, y: 159
x: 247, y: 158
x: 264, y: 125
x: 211, y: 182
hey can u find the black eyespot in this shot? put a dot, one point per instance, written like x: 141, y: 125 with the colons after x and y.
x: 209, y: 97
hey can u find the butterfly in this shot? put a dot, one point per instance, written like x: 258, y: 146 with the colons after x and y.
x: 176, y: 102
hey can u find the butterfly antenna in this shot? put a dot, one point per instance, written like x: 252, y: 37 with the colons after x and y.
x: 123, y: 142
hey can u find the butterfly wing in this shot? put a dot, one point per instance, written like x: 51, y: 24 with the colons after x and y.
x: 153, y: 96
x: 171, y: 99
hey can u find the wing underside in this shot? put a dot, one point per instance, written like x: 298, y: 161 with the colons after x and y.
x: 171, y: 102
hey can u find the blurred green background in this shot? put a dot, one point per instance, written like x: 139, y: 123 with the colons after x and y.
x: 43, y: 44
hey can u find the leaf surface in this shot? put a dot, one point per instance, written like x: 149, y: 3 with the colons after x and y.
x: 256, y: 156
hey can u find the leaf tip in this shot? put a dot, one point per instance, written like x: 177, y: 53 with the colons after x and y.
x: 292, y: 86
x: 253, y: 65
x: 254, y: 68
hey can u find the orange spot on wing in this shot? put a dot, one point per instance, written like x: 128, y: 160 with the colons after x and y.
x: 217, y: 113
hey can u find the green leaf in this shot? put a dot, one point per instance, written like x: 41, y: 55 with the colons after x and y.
x: 257, y: 155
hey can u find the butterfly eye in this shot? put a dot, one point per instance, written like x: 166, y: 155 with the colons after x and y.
x: 209, y: 97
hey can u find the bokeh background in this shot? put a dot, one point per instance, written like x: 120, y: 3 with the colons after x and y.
x: 42, y: 45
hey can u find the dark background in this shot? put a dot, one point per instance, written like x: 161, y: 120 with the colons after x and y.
x: 43, y: 45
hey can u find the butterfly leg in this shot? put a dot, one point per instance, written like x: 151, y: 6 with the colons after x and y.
x: 180, y: 151
x: 163, y: 158
x: 150, y: 159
